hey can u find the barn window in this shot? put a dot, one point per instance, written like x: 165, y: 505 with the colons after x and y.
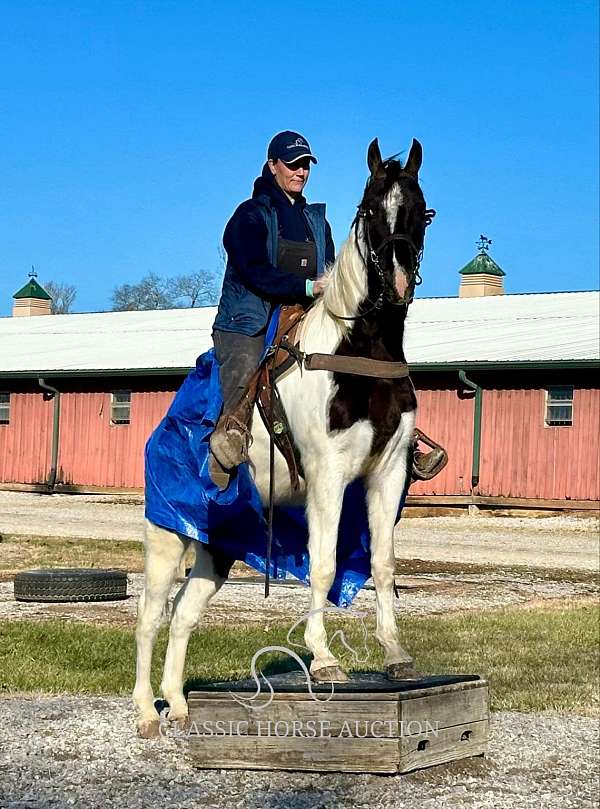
x: 559, y: 406
x: 120, y: 407
x: 4, y: 408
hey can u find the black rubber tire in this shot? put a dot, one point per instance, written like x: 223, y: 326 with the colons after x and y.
x: 71, y: 584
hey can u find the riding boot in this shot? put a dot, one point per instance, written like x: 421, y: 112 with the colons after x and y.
x: 427, y: 465
x: 231, y: 439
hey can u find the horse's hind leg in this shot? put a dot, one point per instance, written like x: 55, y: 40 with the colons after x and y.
x: 385, y: 486
x: 163, y: 552
x: 210, y: 571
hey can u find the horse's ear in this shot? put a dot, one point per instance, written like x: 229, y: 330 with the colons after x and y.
x: 374, y: 161
x: 415, y: 158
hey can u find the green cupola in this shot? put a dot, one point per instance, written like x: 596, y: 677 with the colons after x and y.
x: 481, y: 276
x: 32, y: 299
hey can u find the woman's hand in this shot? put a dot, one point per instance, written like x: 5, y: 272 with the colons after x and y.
x: 320, y: 284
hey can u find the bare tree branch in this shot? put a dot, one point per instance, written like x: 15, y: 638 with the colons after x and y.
x: 196, y: 289
x: 152, y: 292
x: 63, y: 296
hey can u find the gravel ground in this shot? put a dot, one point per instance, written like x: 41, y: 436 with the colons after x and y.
x: 60, y: 752
x: 425, y: 595
x: 568, y: 542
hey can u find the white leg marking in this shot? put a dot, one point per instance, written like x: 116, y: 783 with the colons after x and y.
x: 384, y: 489
x: 324, y: 503
x: 203, y: 583
x: 164, y: 551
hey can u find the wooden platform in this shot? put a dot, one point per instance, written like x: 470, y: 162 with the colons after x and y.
x: 369, y: 725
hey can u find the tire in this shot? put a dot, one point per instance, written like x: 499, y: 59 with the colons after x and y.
x: 71, y: 584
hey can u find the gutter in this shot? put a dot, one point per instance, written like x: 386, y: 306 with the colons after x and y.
x: 425, y: 367
x: 476, y: 428
x: 54, y: 394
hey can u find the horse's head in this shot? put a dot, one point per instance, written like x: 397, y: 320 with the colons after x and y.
x: 390, y: 225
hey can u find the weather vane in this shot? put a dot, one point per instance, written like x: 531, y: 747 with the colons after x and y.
x: 33, y: 273
x: 483, y: 244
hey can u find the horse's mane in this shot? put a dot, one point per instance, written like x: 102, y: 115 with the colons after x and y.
x: 347, y: 285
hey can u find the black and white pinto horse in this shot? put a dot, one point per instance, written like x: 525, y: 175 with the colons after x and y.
x: 345, y: 426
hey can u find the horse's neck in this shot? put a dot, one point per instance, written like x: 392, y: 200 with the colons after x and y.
x: 379, y: 334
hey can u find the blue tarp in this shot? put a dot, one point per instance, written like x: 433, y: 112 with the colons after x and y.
x: 181, y: 496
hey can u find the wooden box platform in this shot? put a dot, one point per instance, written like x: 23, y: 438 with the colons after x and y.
x: 369, y: 725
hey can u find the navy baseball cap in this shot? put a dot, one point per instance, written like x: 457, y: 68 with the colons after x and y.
x: 288, y: 147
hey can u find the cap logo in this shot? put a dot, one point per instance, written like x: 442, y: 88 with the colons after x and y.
x: 296, y: 143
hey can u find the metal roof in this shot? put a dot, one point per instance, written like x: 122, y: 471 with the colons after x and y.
x: 532, y: 329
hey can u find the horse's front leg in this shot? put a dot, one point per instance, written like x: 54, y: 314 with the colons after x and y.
x: 384, y: 490
x: 323, y: 506
x: 208, y: 574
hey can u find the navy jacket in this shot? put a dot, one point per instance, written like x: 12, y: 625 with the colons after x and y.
x: 252, y: 282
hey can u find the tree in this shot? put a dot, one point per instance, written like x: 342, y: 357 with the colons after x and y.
x: 196, y: 289
x: 62, y: 296
x: 152, y: 292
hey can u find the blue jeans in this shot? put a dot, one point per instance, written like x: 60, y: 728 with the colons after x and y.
x: 238, y: 356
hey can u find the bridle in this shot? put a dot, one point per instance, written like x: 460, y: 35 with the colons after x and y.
x: 374, y: 256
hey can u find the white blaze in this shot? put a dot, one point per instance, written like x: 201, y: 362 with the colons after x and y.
x: 392, y: 202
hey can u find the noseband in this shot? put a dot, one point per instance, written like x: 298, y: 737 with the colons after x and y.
x: 374, y: 256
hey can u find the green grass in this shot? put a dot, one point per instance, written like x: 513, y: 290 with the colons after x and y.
x: 534, y: 659
x: 24, y: 552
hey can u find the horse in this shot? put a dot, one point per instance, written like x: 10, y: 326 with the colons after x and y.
x: 344, y: 426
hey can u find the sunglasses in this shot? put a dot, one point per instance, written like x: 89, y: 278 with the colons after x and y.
x: 301, y: 163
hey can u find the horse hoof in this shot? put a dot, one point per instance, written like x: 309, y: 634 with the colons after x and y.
x: 149, y: 729
x: 179, y: 724
x: 401, y: 671
x: 329, y: 674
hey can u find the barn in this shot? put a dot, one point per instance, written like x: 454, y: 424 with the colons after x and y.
x: 508, y: 383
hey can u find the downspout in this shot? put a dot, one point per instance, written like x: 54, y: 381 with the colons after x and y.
x: 55, y: 394
x: 476, y: 428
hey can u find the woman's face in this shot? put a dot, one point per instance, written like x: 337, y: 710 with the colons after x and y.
x: 291, y: 177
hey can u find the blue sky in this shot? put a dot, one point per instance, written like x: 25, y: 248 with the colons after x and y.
x: 129, y: 131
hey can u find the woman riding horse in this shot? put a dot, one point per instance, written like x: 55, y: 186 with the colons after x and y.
x: 352, y: 420
x: 278, y: 247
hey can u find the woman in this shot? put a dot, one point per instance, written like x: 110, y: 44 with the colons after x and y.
x: 277, y: 248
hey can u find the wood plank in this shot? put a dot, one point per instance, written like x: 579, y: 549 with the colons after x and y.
x: 363, y: 717
x: 446, y: 745
x: 500, y: 502
x: 316, y: 755
x: 370, y: 685
x: 447, y: 709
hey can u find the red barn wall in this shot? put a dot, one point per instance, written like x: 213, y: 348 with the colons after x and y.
x: 446, y: 415
x: 520, y: 457
x: 25, y: 442
x: 93, y: 451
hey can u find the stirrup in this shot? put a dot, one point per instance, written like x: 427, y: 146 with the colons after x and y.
x: 434, y: 461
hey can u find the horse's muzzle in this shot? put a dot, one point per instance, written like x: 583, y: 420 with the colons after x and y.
x: 401, y: 284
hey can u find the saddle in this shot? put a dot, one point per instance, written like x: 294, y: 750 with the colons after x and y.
x: 261, y: 390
